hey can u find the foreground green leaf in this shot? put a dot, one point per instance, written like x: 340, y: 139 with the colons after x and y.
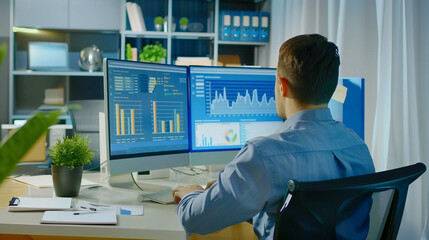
x: 2, y: 52
x: 16, y: 145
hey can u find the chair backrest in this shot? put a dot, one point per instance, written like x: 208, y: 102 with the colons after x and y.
x: 85, y: 122
x: 317, y: 210
x: 86, y: 119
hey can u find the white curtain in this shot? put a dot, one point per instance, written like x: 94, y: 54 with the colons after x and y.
x: 401, y: 118
x: 387, y: 43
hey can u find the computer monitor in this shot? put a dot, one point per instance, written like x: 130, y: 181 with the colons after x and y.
x: 228, y: 106
x: 146, y: 109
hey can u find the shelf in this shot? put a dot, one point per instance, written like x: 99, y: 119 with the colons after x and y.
x: 147, y: 34
x: 53, y: 73
x: 243, y: 43
x: 164, y: 35
x: 27, y: 116
x: 193, y: 35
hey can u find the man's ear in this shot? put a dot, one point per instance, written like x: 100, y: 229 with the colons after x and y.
x: 283, y: 86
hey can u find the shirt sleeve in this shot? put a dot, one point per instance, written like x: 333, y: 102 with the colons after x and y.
x: 238, y: 195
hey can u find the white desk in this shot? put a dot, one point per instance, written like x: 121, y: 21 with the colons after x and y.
x: 158, y: 222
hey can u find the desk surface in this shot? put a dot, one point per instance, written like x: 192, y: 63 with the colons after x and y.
x: 158, y: 222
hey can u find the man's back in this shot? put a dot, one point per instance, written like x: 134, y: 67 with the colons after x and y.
x: 310, y: 146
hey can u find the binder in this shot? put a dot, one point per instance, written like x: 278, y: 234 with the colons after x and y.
x: 264, y: 26
x: 22, y: 204
x: 254, y: 27
x: 245, y: 26
x: 225, y: 25
x: 236, y: 25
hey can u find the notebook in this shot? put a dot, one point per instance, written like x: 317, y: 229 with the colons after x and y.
x: 80, y: 217
x: 39, y: 204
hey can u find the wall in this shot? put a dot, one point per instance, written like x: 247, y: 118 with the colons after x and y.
x: 4, y: 69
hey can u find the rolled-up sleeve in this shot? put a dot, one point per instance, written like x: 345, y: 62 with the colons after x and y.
x: 238, y: 195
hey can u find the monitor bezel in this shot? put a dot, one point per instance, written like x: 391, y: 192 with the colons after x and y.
x: 127, y: 163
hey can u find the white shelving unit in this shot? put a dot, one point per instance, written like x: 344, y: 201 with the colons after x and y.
x: 56, y: 21
x: 22, y: 83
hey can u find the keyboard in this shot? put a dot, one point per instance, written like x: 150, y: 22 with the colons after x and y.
x: 163, y: 197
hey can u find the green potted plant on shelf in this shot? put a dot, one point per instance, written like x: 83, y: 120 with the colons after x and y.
x: 158, y: 23
x: 68, y: 157
x: 183, y: 22
x: 153, y: 53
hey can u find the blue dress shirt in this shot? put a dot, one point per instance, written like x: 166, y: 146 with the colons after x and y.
x: 309, y: 146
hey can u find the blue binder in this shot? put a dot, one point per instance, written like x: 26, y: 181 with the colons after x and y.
x: 236, y: 25
x: 245, y: 25
x: 264, y: 26
x: 225, y: 25
x: 254, y: 27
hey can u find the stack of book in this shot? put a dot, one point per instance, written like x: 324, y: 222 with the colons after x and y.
x: 135, y: 17
x: 187, y: 61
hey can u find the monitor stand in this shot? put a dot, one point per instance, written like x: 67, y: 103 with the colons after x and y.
x: 148, y: 183
x: 153, y: 174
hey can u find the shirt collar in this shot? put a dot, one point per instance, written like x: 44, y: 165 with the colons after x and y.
x: 323, y: 114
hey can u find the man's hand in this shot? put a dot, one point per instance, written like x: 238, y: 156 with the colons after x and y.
x: 209, y: 184
x: 181, y: 191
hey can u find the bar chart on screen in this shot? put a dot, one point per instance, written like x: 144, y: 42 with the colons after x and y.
x: 128, y: 117
x: 167, y: 116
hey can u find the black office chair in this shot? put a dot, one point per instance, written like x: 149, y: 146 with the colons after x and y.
x: 313, y: 210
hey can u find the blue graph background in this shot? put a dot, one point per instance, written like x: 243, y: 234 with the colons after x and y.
x: 230, y: 106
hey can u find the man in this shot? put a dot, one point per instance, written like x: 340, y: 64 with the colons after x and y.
x: 309, y: 146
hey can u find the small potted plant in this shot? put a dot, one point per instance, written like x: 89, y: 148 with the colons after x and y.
x: 153, y: 53
x: 183, y: 22
x: 158, y: 23
x: 68, y: 157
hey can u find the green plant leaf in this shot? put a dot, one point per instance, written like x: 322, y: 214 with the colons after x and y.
x: 159, y: 20
x: 153, y: 53
x: 183, y: 21
x: 71, y: 152
x: 128, y: 52
x: 3, y: 49
x: 15, y: 146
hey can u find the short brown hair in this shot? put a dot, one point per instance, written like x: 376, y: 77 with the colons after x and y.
x: 310, y: 63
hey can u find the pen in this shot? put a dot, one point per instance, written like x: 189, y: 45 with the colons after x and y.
x: 92, y: 209
x: 83, y: 213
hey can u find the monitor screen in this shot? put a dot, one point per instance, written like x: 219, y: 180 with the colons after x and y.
x: 230, y: 105
x: 146, y: 115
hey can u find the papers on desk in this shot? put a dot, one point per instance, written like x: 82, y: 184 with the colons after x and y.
x: 44, y: 181
x: 134, y: 210
x: 39, y: 204
x: 80, y: 217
